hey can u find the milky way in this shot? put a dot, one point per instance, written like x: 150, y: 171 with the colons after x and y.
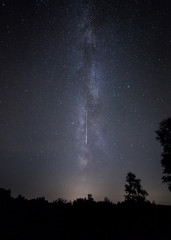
x: 83, y: 87
x: 90, y: 123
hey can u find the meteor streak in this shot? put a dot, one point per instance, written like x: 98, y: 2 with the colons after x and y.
x: 86, y: 128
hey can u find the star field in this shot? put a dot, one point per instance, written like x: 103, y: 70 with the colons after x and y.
x: 83, y: 88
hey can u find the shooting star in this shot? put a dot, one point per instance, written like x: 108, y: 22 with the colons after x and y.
x: 86, y: 128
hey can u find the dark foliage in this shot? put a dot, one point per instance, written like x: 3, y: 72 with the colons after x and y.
x: 133, y: 189
x: 5, y: 197
x: 164, y: 137
x: 83, y: 219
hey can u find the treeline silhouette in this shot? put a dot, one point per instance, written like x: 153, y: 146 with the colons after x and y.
x: 84, y: 218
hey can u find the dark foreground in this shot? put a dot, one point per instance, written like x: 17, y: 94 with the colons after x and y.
x: 83, y: 219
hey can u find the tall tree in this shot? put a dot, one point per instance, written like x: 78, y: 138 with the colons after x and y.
x: 164, y: 137
x: 133, y: 189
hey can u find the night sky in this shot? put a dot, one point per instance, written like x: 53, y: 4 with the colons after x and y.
x: 83, y: 88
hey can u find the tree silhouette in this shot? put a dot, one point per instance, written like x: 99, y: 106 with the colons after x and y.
x: 133, y: 189
x: 90, y: 198
x: 164, y: 137
x: 5, y: 195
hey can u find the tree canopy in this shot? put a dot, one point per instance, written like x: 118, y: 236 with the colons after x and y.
x: 133, y: 189
x: 164, y: 137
